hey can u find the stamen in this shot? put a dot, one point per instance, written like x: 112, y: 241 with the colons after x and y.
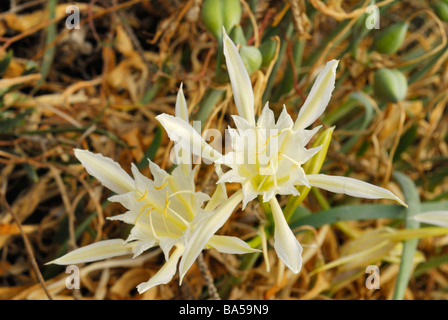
x: 167, y: 203
x: 162, y: 186
x: 143, y: 196
x: 182, y: 191
x: 269, y: 139
x: 179, y: 217
x: 262, y: 182
x: 142, y: 210
x: 152, y: 227
x: 290, y: 159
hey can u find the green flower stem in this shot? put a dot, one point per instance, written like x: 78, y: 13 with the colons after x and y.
x: 409, y: 246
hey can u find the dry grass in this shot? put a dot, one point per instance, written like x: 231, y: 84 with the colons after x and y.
x: 108, y: 80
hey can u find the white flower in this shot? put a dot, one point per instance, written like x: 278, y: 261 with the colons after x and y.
x: 438, y: 218
x: 166, y: 211
x: 267, y: 156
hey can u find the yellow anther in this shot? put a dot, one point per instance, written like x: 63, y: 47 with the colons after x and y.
x: 142, y: 210
x: 268, y: 140
x: 162, y: 186
x: 143, y: 196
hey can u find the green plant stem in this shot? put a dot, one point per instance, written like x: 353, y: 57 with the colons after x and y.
x: 409, y: 246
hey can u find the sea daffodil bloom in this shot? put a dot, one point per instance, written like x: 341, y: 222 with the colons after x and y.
x: 165, y: 212
x: 267, y: 155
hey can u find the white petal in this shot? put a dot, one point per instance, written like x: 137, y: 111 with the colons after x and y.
x: 267, y: 195
x: 307, y: 154
x: 197, y: 240
x: 181, y: 109
x: 142, y: 246
x: 96, y: 251
x: 284, y: 120
x: 128, y: 201
x: 166, y: 244
x: 438, y: 218
x: 231, y: 245
x: 142, y: 182
x: 351, y: 187
x: 319, y: 96
x: 231, y: 176
x: 241, y: 123
x: 286, y: 244
x: 142, y: 234
x: 187, y: 137
x: 249, y: 193
x: 182, y: 157
x: 288, y: 190
x: 240, y: 80
x: 219, y: 195
x: 306, y: 135
x: 159, y: 175
x: 107, y: 171
x: 266, y: 119
x: 165, y: 274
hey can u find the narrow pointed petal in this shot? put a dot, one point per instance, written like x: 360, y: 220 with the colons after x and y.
x: 166, y: 244
x: 351, y: 187
x: 197, y: 240
x: 107, y: 171
x: 319, y: 96
x: 219, y: 195
x: 249, y: 193
x: 181, y: 109
x: 284, y: 120
x: 96, y: 251
x: 187, y: 137
x: 240, y: 81
x: 231, y: 245
x: 266, y: 119
x: 286, y: 244
x: 437, y: 218
x: 241, y: 123
x: 182, y: 157
x: 165, y: 274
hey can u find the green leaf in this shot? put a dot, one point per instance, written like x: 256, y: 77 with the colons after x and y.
x: 150, y: 153
x: 406, y: 140
x: 409, y: 246
x: 8, y: 124
x: 359, y: 212
x: 4, y: 63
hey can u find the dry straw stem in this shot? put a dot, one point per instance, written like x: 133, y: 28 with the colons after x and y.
x: 29, y: 248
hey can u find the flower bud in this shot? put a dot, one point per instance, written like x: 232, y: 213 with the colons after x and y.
x: 251, y: 57
x: 218, y: 13
x: 391, y: 38
x: 390, y: 85
x: 441, y: 10
x: 267, y: 49
x: 237, y: 35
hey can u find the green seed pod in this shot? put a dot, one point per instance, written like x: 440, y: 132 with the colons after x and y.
x: 391, y: 38
x: 267, y: 49
x: 237, y: 35
x: 390, y: 85
x: 218, y: 13
x: 441, y: 10
x: 231, y: 11
x: 251, y: 57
